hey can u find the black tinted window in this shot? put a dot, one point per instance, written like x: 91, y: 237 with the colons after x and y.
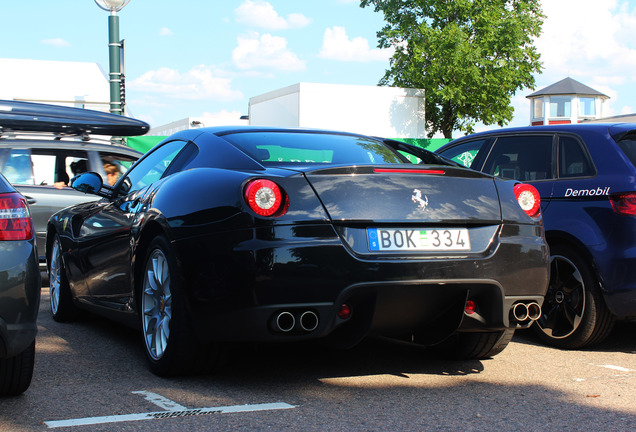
x: 524, y: 158
x: 465, y: 153
x: 278, y: 148
x: 628, y: 146
x: 573, y: 159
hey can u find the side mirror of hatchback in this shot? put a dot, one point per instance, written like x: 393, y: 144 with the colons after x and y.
x: 89, y: 182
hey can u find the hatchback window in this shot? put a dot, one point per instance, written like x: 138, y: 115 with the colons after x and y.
x: 628, y: 145
x: 115, y: 166
x: 18, y: 168
x: 524, y: 158
x: 573, y: 160
x: 465, y: 153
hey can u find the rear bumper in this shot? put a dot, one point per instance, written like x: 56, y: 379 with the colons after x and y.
x: 236, y: 289
x: 20, y: 287
x: 617, y: 274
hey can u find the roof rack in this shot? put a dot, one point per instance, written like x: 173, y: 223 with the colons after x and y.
x: 54, y: 136
x: 18, y: 116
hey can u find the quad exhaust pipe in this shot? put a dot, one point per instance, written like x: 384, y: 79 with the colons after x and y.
x: 285, y: 322
x: 523, y: 312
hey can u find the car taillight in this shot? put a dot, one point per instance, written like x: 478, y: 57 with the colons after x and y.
x: 266, y: 198
x: 624, y: 203
x: 528, y: 198
x: 15, y: 218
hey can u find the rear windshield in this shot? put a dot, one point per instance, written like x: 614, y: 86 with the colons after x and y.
x: 288, y: 148
x: 628, y: 145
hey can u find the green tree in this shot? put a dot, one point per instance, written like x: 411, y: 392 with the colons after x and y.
x: 470, y: 56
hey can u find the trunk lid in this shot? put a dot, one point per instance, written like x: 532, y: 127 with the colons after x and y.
x: 407, y: 194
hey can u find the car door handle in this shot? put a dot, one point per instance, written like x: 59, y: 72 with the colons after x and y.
x: 30, y: 200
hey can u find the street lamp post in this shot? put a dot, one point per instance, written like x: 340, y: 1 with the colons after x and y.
x: 114, y: 52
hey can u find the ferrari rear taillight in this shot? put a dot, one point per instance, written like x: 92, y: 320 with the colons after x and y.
x: 624, y: 203
x: 266, y: 198
x: 528, y: 198
x: 15, y: 219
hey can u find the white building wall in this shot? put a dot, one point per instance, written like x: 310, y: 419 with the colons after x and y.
x: 76, y: 84
x: 371, y: 110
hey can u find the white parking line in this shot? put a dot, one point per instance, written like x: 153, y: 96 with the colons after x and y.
x: 618, y: 368
x: 167, y: 414
x: 160, y: 401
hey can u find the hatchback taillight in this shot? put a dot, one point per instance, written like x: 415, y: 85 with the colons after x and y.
x: 266, y: 198
x: 624, y: 203
x: 528, y: 198
x: 15, y: 218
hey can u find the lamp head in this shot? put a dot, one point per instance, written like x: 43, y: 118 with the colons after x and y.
x: 112, y: 5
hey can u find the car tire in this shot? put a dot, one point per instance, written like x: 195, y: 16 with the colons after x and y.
x: 62, y: 307
x: 474, y: 346
x: 169, y: 341
x: 16, y: 372
x: 574, y: 314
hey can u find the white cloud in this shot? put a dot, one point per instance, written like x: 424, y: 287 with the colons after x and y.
x: 196, y: 84
x: 336, y: 45
x: 591, y: 42
x: 261, y: 14
x: 587, y: 38
x: 57, y: 42
x: 265, y: 51
x: 165, y: 31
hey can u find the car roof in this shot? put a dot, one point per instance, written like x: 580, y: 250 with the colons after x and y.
x: 614, y: 129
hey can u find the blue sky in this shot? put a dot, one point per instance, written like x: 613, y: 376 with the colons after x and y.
x: 193, y: 58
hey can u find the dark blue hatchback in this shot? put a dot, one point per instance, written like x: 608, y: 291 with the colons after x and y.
x: 586, y: 176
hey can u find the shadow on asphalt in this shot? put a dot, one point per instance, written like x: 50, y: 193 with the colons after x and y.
x: 621, y: 339
x: 373, y: 356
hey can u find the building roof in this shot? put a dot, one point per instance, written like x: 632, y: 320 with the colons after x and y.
x: 567, y: 86
x: 623, y: 118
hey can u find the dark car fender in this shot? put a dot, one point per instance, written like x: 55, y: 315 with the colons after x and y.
x: 203, y: 209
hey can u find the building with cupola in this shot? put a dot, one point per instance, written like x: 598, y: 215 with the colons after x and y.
x: 567, y: 101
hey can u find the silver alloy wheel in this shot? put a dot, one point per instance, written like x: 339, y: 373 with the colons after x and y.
x: 156, y: 304
x: 55, y: 281
x: 565, y: 300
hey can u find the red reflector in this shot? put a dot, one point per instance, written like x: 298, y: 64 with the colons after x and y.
x: 344, y: 312
x: 624, y: 203
x: 408, y: 171
x: 528, y: 198
x: 266, y: 198
x: 15, y: 218
x: 471, y: 307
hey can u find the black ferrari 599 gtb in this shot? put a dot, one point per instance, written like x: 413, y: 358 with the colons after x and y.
x: 245, y: 234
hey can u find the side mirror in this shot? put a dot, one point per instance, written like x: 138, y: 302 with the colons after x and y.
x: 88, y: 182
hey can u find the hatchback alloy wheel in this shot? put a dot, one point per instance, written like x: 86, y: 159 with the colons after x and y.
x: 565, y: 300
x: 574, y: 312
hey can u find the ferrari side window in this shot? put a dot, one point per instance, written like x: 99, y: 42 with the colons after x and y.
x: 151, y: 167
